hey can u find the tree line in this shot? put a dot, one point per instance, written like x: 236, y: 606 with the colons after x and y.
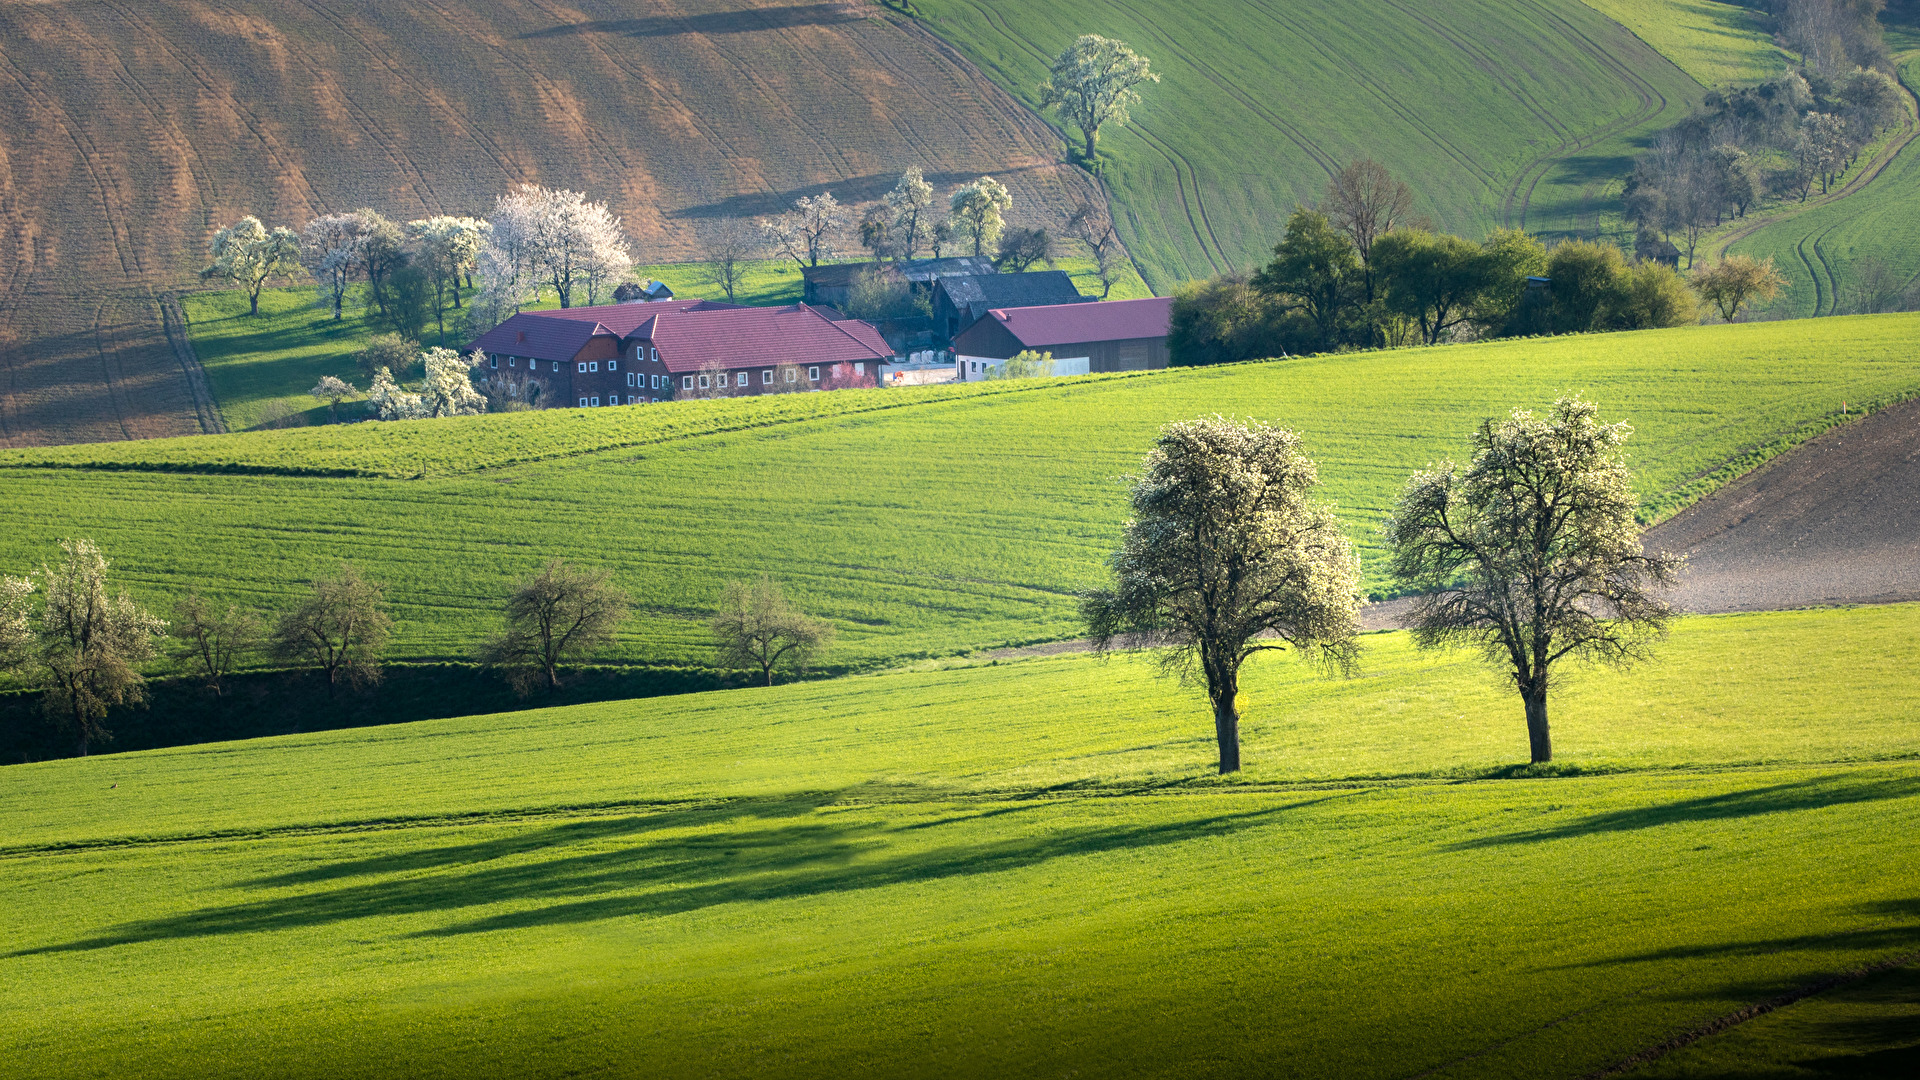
x: 1529, y: 554
x: 1361, y: 270
x: 70, y: 633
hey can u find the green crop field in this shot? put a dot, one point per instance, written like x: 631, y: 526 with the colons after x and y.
x: 1716, y: 43
x: 1821, y: 250
x: 1010, y: 870
x: 922, y: 521
x: 1498, y: 113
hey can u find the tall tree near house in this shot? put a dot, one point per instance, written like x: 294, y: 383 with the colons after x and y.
x: 557, y: 616
x: 728, y: 245
x: 212, y: 641
x: 16, y: 626
x: 758, y: 628
x: 330, y: 250
x: 448, y: 388
x: 91, y: 644
x: 1365, y: 202
x: 248, y: 255
x: 573, y: 239
x: 1092, y: 84
x: 1532, y: 554
x: 449, y: 247
x: 341, y: 627
x: 1091, y: 224
x: 910, y: 202
x: 1227, y: 555
x: 876, y: 233
x: 1736, y: 281
x: 1316, y: 271
x: 808, y: 232
x: 383, y: 249
x: 978, y: 212
x: 1022, y: 246
x: 509, y: 261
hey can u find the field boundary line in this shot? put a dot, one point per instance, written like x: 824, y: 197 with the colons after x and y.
x: 1750, y: 1012
x: 173, y: 320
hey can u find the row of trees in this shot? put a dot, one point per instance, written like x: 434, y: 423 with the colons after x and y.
x: 1530, y: 554
x: 84, y: 643
x: 1362, y: 271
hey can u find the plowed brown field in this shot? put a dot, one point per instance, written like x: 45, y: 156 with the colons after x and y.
x: 130, y: 130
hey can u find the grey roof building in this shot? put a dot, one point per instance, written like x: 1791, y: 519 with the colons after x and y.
x: 958, y: 301
x: 828, y: 284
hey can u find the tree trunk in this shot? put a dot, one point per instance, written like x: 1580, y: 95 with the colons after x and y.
x: 1092, y: 138
x: 1539, y: 738
x: 253, y: 308
x: 1226, y: 726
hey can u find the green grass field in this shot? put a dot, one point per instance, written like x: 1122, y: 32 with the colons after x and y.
x: 1716, y: 43
x: 1010, y: 870
x: 1497, y: 113
x: 1819, y: 251
x: 921, y: 521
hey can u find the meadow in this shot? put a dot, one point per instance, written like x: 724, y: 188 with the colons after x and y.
x: 1497, y: 113
x: 923, y: 522
x: 1716, y: 43
x: 1016, y: 869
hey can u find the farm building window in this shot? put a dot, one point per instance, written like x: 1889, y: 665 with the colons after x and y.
x: 596, y: 401
x: 583, y: 367
x: 766, y: 377
x: 791, y: 376
x: 686, y: 382
x: 583, y: 403
x: 511, y: 360
x: 742, y: 381
x: 813, y: 374
x: 656, y: 354
x: 703, y: 382
x: 595, y: 366
x: 859, y: 367
x: 493, y: 361
x: 613, y: 365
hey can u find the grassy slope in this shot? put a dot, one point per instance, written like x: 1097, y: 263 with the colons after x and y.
x: 255, y: 364
x: 131, y: 131
x: 1818, y: 249
x: 1716, y: 43
x: 1006, y: 870
x: 936, y: 520
x: 1499, y: 113
x: 1869, y: 1030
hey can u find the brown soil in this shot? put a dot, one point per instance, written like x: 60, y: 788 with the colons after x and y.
x: 129, y: 131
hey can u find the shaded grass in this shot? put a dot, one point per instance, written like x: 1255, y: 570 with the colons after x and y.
x: 1011, y: 870
x: 1717, y: 43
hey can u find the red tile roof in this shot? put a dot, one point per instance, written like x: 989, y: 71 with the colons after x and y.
x: 749, y: 337
x: 561, y: 334
x: 1072, y: 324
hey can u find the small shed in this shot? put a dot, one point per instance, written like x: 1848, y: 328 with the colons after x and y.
x: 1111, y: 335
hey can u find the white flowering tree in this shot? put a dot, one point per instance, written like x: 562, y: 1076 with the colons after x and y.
x: 330, y: 250
x: 807, y: 233
x: 910, y: 203
x: 979, y: 212
x: 16, y: 633
x: 449, y: 248
x: 390, y: 402
x: 91, y: 643
x: 547, y: 237
x: 249, y: 255
x: 1092, y: 83
x: 448, y: 389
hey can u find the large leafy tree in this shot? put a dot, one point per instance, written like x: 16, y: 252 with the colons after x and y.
x: 248, y: 255
x: 556, y: 616
x: 758, y: 627
x: 1442, y: 281
x: 1092, y: 83
x: 1531, y: 553
x: 1227, y: 555
x: 908, y: 206
x: 808, y: 232
x: 1315, y: 270
x: 978, y: 212
x: 1737, y: 280
x: 330, y: 250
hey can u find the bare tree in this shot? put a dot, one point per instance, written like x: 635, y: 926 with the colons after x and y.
x: 756, y: 627
x: 730, y: 243
x: 91, y: 644
x: 1874, y: 287
x: 1091, y: 224
x: 1532, y: 554
x: 557, y: 615
x: 1365, y: 202
x: 341, y: 628
x: 1227, y: 555
x: 807, y: 233
x: 212, y: 641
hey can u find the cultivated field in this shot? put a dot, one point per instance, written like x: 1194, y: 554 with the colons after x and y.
x: 129, y: 131
x: 1498, y: 113
x: 922, y: 521
x: 1716, y: 43
x: 1012, y: 870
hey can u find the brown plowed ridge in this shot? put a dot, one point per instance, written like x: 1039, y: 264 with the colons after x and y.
x: 130, y: 130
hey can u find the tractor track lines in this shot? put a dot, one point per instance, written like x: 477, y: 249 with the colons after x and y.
x: 364, y: 119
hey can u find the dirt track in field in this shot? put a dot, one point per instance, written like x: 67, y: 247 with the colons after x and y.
x: 130, y: 130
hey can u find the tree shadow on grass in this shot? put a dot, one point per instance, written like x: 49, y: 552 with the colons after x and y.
x: 1773, y: 799
x: 587, y: 871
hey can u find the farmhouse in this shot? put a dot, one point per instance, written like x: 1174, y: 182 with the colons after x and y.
x: 1113, y: 335
x: 958, y: 301
x: 631, y: 354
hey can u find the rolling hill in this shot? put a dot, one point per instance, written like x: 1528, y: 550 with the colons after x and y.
x: 129, y: 131
x: 922, y: 521
x: 1011, y: 870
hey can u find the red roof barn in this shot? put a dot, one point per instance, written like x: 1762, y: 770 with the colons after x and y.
x: 627, y: 354
x: 1112, y: 335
